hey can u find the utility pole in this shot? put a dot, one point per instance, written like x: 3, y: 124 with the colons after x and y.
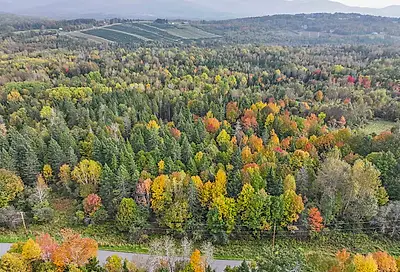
x: 23, y: 222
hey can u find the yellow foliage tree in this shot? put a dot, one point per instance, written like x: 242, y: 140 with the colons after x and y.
x: 365, y: 263
x: 113, y: 264
x: 31, y: 251
x: 12, y: 262
x: 197, y: 262
x: 220, y: 184
x: 289, y: 183
x: 47, y: 172
x: 158, y: 189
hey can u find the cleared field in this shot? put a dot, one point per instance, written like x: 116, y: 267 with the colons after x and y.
x: 140, y: 32
x: 81, y: 35
x: 163, y: 26
x: 190, y: 32
x: 378, y: 126
x: 155, y: 30
x: 113, y: 35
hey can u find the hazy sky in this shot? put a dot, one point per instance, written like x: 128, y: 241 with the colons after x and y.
x: 370, y: 3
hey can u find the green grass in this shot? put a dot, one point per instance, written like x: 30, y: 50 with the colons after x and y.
x: 378, y: 126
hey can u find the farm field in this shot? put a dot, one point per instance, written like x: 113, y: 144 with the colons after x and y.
x: 143, y: 33
x: 113, y: 35
x: 139, y: 32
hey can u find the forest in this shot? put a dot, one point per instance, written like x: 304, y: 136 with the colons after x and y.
x: 285, y: 153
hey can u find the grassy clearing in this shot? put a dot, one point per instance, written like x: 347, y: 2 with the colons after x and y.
x: 249, y: 248
x: 378, y: 126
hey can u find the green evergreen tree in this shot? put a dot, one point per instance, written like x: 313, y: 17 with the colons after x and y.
x: 71, y: 158
x: 108, y: 189
x: 7, y: 161
x: 192, y: 168
x: 237, y: 159
x: 195, y: 209
x: 186, y: 150
x: 29, y: 167
x: 124, y: 182
x: 235, y: 184
x: 274, y: 183
x: 137, y: 140
x: 55, y: 155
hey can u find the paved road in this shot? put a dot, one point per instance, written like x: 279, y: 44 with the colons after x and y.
x: 140, y: 259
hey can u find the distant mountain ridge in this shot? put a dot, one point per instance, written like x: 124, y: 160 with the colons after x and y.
x: 181, y: 9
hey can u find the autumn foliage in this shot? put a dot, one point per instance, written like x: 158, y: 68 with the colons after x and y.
x: 74, y: 250
x: 91, y: 204
x: 315, y: 219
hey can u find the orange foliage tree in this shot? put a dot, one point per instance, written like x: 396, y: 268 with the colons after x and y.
x: 212, y: 124
x: 385, y: 262
x: 197, y: 262
x: 249, y: 119
x: 232, y: 112
x: 74, y: 250
x: 315, y: 219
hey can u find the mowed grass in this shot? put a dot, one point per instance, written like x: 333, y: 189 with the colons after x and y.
x: 378, y: 126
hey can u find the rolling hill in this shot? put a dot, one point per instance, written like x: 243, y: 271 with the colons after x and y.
x: 181, y: 9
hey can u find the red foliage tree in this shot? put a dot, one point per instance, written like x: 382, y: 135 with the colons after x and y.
x: 91, y: 204
x: 249, y: 119
x: 47, y: 246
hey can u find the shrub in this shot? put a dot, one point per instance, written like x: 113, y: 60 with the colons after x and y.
x: 113, y: 264
x: 11, y: 262
x: 10, y: 218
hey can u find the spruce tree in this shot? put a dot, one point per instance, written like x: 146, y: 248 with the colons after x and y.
x: 71, y: 158
x: 235, y: 184
x: 29, y: 166
x: 137, y: 140
x: 274, y: 183
x: 55, y: 155
x: 6, y: 160
x: 192, y: 168
x: 108, y: 189
x: 186, y: 150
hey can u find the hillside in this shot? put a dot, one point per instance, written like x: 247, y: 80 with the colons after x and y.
x: 148, y: 9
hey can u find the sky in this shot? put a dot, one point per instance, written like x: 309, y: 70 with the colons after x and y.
x: 370, y: 3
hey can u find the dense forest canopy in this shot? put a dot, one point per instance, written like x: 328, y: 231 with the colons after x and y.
x: 212, y: 142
